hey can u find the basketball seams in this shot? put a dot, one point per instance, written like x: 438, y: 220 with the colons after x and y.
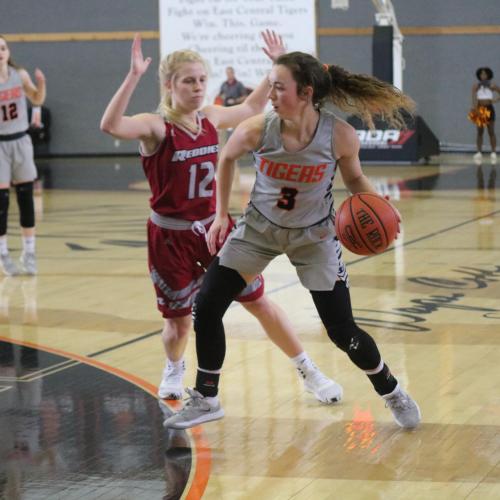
x: 374, y: 213
x: 360, y: 234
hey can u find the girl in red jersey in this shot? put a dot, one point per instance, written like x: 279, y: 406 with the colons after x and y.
x: 179, y: 148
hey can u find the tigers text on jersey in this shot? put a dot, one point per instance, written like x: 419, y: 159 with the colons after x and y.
x: 181, y: 173
x: 13, y: 107
x: 294, y: 190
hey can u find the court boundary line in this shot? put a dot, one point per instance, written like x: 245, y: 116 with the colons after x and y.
x: 123, y: 344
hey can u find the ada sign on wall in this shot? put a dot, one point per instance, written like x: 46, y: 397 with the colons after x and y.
x: 227, y: 33
x: 383, y: 139
x: 396, y: 145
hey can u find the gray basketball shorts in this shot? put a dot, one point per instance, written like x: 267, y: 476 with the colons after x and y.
x: 16, y: 160
x: 314, y: 251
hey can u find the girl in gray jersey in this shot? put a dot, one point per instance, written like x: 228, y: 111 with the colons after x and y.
x: 17, y: 165
x: 297, y: 149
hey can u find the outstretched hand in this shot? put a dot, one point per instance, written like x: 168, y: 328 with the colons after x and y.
x: 138, y: 65
x: 274, y: 44
x: 39, y: 76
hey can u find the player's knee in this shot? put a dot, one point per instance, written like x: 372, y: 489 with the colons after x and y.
x: 176, y: 328
x: 220, y: 287
x: 342, y: 333
x: 259, y: 307
x: 208, y: 309
x: 24, y: 193
x: 359, y: 346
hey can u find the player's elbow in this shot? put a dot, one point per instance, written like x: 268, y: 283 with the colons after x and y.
x: 107, y: 127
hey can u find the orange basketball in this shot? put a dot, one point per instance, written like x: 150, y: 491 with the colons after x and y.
x: 366, y: 223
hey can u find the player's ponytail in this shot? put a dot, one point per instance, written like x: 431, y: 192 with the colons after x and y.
x: 358, y: 94
x: 367, y: 97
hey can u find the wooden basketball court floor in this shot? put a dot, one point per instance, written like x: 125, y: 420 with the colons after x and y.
x: 80, y: 356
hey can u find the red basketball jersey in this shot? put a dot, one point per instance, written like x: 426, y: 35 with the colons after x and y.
x: 181, y: 173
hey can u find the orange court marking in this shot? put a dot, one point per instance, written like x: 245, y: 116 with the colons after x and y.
x: 202, y: 449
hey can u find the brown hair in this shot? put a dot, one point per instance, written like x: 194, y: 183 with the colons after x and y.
x: 169, y: 66
x: 10, y: 62
x: 362, y: 95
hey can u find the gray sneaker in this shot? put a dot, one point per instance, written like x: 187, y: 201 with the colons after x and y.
x: 197, y: 410
x: 8, y: 266
x: 405, y: 411
x: 28, y: 263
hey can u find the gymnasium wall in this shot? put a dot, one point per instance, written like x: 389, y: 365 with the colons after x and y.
x: 82, y: 75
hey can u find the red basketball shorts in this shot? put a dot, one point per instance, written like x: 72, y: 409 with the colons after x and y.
x: 177, y: 260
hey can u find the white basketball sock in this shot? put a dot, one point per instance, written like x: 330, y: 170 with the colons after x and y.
x: 4, y: 249
x: 29, y: 244
x: 302, y: 360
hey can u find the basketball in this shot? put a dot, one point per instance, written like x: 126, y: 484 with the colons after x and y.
x: 366, y: 223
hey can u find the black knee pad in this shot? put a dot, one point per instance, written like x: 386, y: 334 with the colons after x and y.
x: 342, y: 333
x: 24, y: 193
x: 356, y: 343
x: 4, y: 210
x: 219, y: 288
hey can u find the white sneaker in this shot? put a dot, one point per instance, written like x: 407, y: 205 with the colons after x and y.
x: 493, y: 158
x: 8, y: 266
x: 478, y: 158
x: 28, y: 263
x: 324, y: 389
x: 197, y: 410
x: 405, y: 411
x: 171, y: 386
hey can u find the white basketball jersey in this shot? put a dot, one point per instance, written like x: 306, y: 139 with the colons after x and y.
x: 13, y: 108
x: 294, y: 190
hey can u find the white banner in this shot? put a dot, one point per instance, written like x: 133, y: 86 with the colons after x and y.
x: 227, y: 33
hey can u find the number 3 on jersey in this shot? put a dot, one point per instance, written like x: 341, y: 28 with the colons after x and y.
x: 199, y: 188
x: 287, y: 200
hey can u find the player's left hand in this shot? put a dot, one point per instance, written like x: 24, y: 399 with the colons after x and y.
x: 387, y: 197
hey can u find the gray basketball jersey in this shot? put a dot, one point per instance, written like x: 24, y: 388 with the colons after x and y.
x: 13, y: 108
x: 294, y: 190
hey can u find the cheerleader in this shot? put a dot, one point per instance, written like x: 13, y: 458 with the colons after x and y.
x: 483, y: 112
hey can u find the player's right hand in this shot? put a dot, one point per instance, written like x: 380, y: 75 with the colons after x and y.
x: 138, y: 65
x: 217, y: 234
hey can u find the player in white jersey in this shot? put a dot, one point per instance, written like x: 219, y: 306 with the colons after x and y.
x: 297, y: 149
x: 17, y: 165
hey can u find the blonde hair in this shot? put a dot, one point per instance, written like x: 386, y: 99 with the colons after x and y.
x: 361, y: 95
x: 169, y: 66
